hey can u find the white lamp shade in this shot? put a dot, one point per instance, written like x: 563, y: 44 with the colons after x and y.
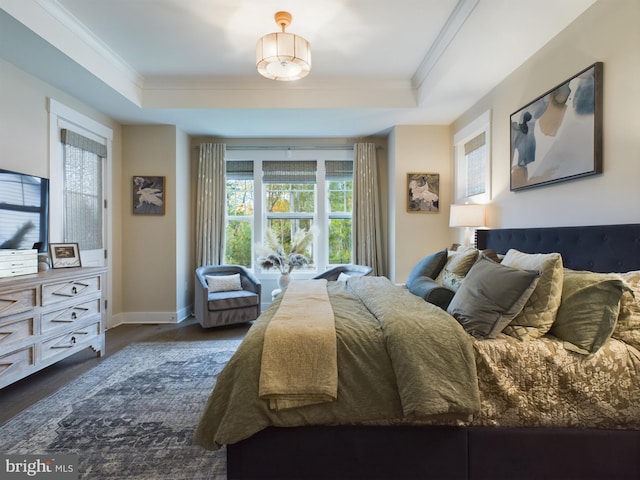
x: 469, y: 215
x: 283, y: 56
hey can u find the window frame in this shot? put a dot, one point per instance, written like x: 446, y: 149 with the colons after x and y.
x: 481, y: 124
x: 62, y: 116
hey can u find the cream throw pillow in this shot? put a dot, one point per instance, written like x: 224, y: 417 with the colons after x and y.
x: 456, y: 268
x: 224, y: 283
x: 540, y: 311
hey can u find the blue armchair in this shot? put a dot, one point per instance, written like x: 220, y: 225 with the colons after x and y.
x: 214, y: 307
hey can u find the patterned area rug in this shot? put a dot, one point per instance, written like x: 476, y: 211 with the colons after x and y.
x: 131, y: 417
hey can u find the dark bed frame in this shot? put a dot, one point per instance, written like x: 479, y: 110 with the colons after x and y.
x: 474, y: 453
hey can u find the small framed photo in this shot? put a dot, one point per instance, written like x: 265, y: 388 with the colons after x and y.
x: 148, y: 195
x: 423, y: 192
x: 64, y: 255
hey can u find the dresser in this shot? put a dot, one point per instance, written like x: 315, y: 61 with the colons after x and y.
x: 45, y: 317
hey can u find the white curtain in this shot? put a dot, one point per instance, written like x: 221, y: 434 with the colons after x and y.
x: 210, y: 205
x: 367, y: 232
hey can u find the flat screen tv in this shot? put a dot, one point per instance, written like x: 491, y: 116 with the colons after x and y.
x: 24, y: 211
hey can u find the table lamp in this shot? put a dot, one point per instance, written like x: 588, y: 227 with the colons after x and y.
x: 467, y: 215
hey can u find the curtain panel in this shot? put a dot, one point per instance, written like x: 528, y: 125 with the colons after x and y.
x: 210, y: 205
x: 367, y: 232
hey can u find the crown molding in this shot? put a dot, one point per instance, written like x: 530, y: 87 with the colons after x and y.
x: 53, y: 23
x: 450, y: 29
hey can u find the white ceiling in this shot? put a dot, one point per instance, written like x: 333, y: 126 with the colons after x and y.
x: 376, y: 63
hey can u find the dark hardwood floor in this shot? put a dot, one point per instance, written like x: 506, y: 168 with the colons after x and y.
x: 16, y: 397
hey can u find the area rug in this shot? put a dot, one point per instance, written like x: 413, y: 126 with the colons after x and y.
x: 132, y: 416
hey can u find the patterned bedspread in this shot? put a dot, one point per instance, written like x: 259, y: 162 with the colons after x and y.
x: 542, y: 384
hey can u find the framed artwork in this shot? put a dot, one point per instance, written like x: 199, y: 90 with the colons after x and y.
x: 558, y: 136
x: 64, y: 255
x: 423, y: 192
x: 148, y: 195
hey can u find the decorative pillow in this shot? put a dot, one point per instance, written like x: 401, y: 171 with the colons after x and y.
x: 224, y: 283
x: 343, y: 277
x: 538, y: 314
x: 491, y: 254
x: 457, y: 267
x: 628, y: 326
x: 432, y: 292
x: 490, y: 297
x: 588, y: 311
x: 429, y: 266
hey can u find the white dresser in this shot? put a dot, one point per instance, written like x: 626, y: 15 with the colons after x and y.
x: 45, y: 317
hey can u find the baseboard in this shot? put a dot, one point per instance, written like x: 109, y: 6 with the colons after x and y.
x: 129, y: 318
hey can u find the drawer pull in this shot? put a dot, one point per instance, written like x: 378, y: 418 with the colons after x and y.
x: 73, y: 340
x: 73, y: 316
x: 74, y: 290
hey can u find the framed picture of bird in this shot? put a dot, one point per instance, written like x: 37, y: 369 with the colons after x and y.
x: 148, y: 195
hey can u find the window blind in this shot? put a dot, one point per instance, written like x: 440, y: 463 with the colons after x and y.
x: 338, y: 170
x: 289, y: 172
x: 69, y: 137
x: 239, y: 169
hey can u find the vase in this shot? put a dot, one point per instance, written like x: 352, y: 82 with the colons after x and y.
x: 284, y: 280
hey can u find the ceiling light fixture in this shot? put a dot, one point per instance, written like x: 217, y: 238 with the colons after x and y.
x: 281, y: 55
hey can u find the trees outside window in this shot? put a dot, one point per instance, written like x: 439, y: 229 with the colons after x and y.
x: 315, y: 190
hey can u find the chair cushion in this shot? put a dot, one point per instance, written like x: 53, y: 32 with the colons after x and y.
x: 230, y: 300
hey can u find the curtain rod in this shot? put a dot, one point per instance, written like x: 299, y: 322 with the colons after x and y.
x: 290, y: 147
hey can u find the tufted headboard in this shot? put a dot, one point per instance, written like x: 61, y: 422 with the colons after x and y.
x: 599, y: 248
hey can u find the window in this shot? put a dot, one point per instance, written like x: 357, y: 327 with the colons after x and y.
x: 82, y: 186
x: 240, y: 206
x: 472, y: 161
x: 313, y: 189
x: 80, y: 152
x: 339, y: 184
x: 290, y: 200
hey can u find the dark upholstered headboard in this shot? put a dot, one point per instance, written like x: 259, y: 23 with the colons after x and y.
x: 599, y: 248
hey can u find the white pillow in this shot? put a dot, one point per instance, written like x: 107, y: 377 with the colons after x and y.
x: 343, y: 277
x: 224, y: 283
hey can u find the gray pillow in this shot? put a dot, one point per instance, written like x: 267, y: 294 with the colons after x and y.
x: 490, y: 296
x: 429, y: 266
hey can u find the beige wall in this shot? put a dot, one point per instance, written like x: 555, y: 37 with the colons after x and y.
x: 417, y: 149
x: 185, y: 243
x: 24, y: 147
x: 607, y: 32
x: 153, y: 265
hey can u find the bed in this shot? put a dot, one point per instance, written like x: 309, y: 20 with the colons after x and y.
x: 492, y: 436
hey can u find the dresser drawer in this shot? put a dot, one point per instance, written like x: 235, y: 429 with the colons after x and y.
x: 63, y: 317
x: 16, y: 330
x: 62, y: 291
x: 71, y: 341
x: 16, y: 362
x: 16, y: 301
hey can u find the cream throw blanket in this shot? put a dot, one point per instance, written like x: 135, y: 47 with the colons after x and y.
x: 299, y: 356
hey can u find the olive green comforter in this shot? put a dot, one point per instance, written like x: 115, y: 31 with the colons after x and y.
x: 399, y: 359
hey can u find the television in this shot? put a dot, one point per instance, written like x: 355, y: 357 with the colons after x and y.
x: 24, y: 211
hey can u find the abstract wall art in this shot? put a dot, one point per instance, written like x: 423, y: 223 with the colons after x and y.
x: 558, y: 136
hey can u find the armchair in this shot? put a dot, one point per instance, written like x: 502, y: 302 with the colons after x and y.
x: 215, y: 306
x: 350, y: 270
